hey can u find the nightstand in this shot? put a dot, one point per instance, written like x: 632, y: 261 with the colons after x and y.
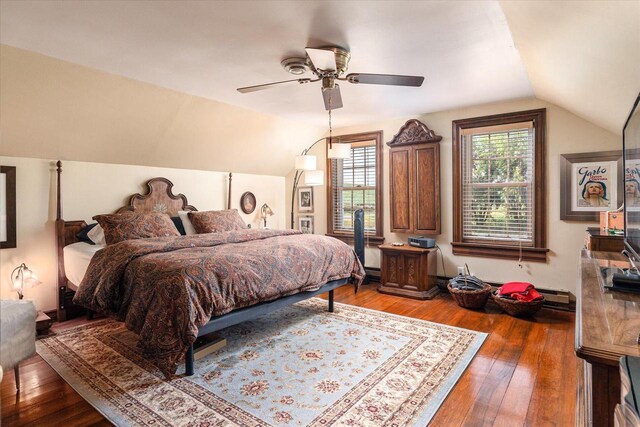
x: 43, y: 323
x: 408, y: 271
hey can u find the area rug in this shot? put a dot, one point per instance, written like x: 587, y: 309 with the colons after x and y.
x: 300, y: 366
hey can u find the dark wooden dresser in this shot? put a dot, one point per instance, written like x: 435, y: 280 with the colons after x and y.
x: 597, y: 240
x: 408, y: 271
x: 607, y: 328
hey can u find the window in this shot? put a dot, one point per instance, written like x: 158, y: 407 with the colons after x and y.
x: 498, y: 174
x: 356, y: 183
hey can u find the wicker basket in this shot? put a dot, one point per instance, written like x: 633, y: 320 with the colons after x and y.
x: 470, y: 299
x: 518, y: 308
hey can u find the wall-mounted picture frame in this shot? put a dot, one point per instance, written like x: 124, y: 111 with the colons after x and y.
x: 305, y: 224
x: 248, y: 202
x: 8, y: 207
x: 305, y: 199
x: 590, y: 183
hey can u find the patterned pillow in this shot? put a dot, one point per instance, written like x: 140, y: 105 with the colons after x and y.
x: 129, y: 225
x: 216, y: 221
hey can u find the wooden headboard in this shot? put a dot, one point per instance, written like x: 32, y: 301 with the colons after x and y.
x: 159, y: 198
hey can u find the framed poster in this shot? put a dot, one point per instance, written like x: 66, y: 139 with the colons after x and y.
x: 7, y: 207
x: 305, y: 224
x: 305, y: 199
x: 590, y: 183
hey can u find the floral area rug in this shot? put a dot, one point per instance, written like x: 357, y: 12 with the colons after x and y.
x: 300, y: 366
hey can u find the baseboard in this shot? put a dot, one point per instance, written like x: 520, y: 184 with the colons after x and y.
x: 373, y: 274
x: 553, y: 298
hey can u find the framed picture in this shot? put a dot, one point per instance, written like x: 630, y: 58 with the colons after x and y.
x: 7, y: 207
x: 248, y: 202
x: 305, y: 224
x: 305, y: 199
x: 590, y: 183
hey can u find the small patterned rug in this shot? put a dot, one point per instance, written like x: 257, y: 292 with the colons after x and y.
x: 300, y: 366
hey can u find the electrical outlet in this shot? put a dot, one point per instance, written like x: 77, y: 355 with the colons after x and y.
x: 460, y: 271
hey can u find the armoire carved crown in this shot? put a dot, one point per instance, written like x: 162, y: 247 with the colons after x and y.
x: 414, y: 132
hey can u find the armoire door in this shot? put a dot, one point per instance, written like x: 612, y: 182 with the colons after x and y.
x: 427, y: 189
x: 400, y: 189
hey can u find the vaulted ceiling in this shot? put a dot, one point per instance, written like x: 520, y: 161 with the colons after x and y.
x: 583, y: 56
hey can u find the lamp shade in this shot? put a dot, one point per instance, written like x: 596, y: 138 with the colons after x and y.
x: 314, y: 177
x: 339, y: 151
x: 21, y: 276
x: 266, y: 211
x: 305, y: 163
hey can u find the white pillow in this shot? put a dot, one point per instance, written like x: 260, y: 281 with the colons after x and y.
x: 96, y: 234
x: 186, y: 223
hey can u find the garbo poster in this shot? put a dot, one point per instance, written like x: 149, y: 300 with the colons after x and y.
x: 594, y: 186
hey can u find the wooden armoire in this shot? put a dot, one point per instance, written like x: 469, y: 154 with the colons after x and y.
x: 414, y: 180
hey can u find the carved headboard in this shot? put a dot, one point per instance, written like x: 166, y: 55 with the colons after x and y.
x: 159, y: 198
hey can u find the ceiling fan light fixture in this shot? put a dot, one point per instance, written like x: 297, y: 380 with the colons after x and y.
x: 328, y: 64
x: 328, y: 83
x: 296, y: 65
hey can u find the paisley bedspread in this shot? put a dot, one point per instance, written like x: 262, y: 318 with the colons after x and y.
x: 165, y: 288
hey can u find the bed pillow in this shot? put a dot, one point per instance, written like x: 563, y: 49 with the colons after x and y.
x: 178, y: 223
x: 186, y: 223
x: 216, y: 221
x: 128, y: 226
x: 82, y: 234
x: 96, y: 235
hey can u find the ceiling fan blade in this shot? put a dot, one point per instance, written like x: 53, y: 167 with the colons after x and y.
x: 322, y: 59
x: 385, y: 79
x: 332, y: 98
x: 270, y: 85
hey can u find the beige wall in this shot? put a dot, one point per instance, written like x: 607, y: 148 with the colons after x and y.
x: 94, y: 188
x: 51, y: 109
x: 566, y: 133
x: 58, y: 110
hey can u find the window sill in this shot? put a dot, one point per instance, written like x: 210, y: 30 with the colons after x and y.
x: 368, y: 239
x: 499, y: 251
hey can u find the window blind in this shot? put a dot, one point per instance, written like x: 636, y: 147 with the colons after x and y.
x: 353, y: 183
x: 498, y: 183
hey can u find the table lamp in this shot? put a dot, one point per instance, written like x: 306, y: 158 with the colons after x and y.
x: 21, y: 276
x: 265, y: 212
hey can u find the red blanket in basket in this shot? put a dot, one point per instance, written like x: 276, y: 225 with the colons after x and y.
x: 522, y: 291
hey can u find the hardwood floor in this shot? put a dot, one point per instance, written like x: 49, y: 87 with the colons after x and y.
x: 524, y: 374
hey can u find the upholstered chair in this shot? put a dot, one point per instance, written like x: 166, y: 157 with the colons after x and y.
x: 17, y: 334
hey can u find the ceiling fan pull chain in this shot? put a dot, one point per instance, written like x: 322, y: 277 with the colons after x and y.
x: 330, y: 130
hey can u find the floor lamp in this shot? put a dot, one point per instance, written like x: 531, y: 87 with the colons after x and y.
x: 307, y: 164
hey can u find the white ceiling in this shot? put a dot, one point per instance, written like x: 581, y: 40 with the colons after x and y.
x: 464, y: 49
x: 583, y: 56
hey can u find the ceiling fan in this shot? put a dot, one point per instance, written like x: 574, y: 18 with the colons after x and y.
x: 329, y: 64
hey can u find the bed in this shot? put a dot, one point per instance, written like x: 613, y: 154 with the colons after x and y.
x: 172, y: 290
